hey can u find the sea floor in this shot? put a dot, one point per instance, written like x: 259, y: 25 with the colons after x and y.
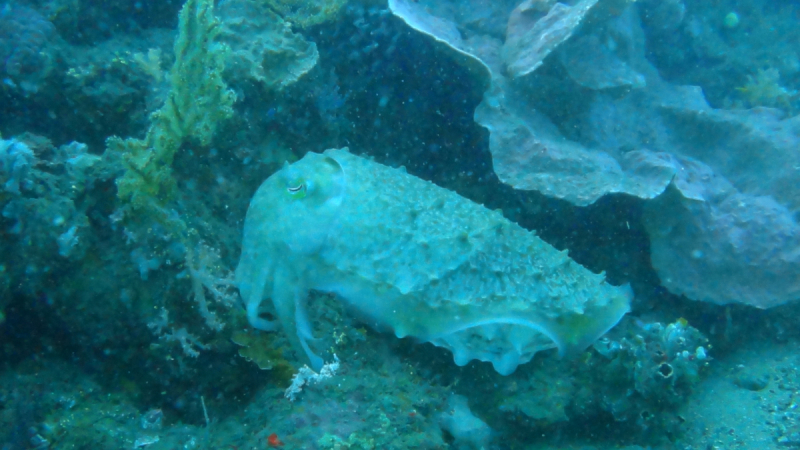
x: 747, y: 400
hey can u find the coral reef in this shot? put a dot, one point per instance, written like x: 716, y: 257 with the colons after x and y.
x: 197, y: 101
x: 305, y: 13
x: 764, y: 89
x: 673, y: 147
x: 25, y: 48
x: 642, y: 378
x: 44, y: 207
x: 655, y: 140
x: 263, y: 48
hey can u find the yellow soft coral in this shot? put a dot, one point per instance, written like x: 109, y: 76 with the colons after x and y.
x: 765, y: 90
x: 197, y: 101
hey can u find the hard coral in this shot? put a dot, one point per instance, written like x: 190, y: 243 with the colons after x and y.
x: 25, y: 47
x: 307, y: 13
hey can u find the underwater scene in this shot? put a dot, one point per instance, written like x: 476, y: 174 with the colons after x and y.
x: 399, y: 224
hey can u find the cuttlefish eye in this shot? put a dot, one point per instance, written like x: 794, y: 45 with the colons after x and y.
x: 297, y: 190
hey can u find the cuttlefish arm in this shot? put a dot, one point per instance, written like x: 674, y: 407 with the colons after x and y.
x: 290, y: 296
x: 253, y: 303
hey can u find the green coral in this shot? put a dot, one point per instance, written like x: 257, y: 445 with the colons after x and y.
x: 197, y: 101
x: 354, y: 442
x: 307, y: 13
x: 263, y: 46
x: 359, y: 441
x: 765, y: 89
x: 386, y: 436
x: 260, y: 349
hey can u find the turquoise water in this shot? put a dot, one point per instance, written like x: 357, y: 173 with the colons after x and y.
x: 560, y: 225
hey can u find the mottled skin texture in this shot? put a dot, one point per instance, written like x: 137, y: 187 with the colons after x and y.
x: 408, y: 256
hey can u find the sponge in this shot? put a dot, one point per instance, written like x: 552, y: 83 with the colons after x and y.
x: 468, y: 431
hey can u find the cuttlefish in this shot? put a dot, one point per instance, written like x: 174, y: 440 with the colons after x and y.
x: 416, y: 259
